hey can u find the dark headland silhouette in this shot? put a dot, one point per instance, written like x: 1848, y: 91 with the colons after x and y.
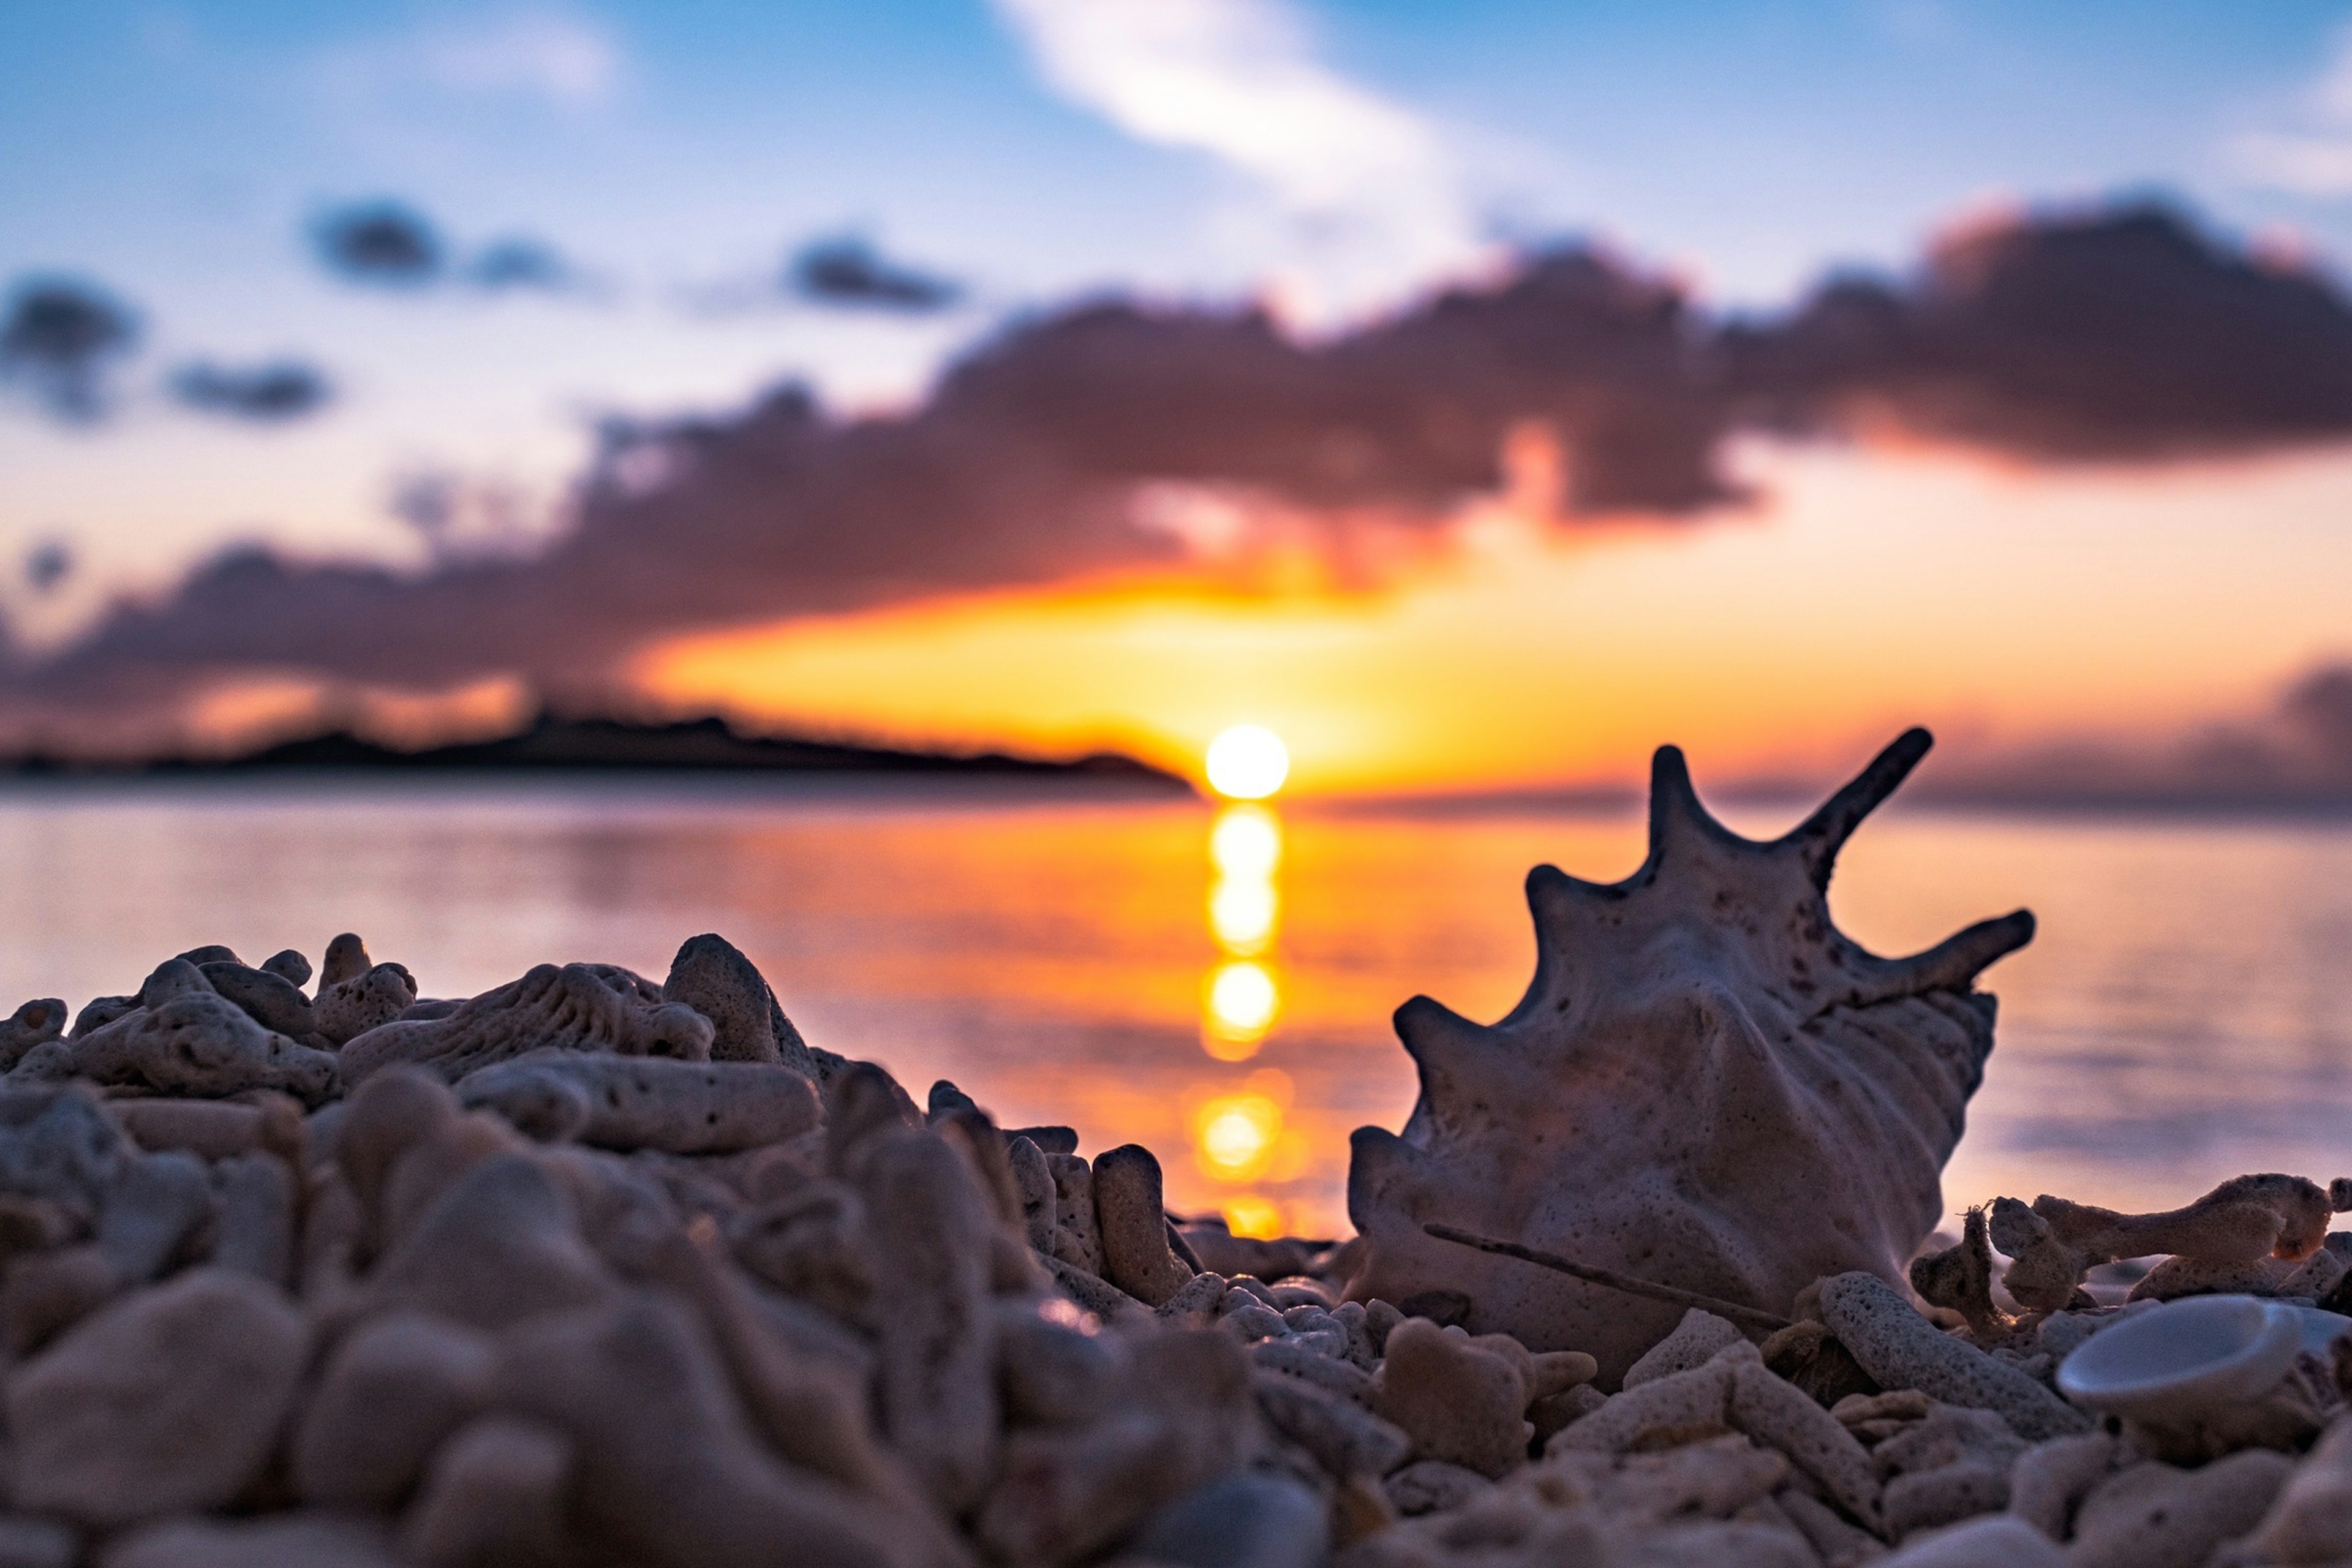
x: 550, y: 744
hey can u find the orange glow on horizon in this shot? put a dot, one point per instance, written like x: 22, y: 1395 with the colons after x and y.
x: 1242, y: 1003
x: 1872, y: 590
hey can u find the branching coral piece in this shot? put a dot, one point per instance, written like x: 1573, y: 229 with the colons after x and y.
x: 2055, y: 1243
x: 576, y: 1007
x: 1960, y: 1277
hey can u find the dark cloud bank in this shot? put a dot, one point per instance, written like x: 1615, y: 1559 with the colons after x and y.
x: 2122, y: 336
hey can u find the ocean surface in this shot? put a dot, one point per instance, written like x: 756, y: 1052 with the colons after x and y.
x: 1216, y: 983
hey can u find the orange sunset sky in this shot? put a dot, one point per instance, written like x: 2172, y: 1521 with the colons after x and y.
x: 1864, y: 591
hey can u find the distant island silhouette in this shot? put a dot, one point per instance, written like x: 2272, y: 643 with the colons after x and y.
x: 560, y: 745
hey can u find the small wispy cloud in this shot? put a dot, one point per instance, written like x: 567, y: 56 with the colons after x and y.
x: 847, y: 270
x: 843, y: 270
x: 275, y: 392
x: 59, y: 337
x: 556, y: 55
x: 2308, y: 149
x: 384, y: 243
x: 520, y: 263
x: 1374, y: 202
x: 549, y: 53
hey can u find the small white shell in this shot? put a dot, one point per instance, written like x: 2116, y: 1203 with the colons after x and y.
x: 2185, y: 1357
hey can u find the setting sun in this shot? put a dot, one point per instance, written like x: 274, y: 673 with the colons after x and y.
x: 1247, y: 762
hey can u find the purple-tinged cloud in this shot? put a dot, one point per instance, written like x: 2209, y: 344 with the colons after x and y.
x: 47, y: 564
x: 2109, y: 336
x: 2123, y: 337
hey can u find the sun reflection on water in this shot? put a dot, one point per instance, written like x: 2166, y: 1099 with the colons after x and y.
x: 1240, y: 996
x: 1250, y: 1213
x: 1242, y: 1001
x: 1241, y: 916
x: 1235, y: 1135
x: 1243, y: 1136
x: 1246, y: 842
x: 1238, y: 1132
x: 1246, y: 846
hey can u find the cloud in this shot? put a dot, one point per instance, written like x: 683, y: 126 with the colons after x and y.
x: 381, y: 243
x: 2318, y: 708
x: 554, y: 56
x: 2109, y: 335
x: 521, y: 262
x: 388, y: 244
x: 272, y: 393
x: 1022, y: 468
x: 57, y: 341
x: 460, y: 517
x: 2295, y: 753
x: 550, y: 53
x: 47, y: 564
x: 2308, y: 150
x: 847, y: 270
x: 1064, y: 446
x: 843, y: 271
x: 1367, y: 182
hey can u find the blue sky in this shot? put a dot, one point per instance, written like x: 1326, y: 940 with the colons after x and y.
x: 179, y: 143
x: 1336, y: 155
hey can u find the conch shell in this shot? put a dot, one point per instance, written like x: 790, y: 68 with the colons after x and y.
x: 1705, y: 1086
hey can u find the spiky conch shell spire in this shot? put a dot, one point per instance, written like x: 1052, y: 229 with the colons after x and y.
x: 1707, y: 1084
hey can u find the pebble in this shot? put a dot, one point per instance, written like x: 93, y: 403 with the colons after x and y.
x: 1999, y: 1540
x: 1694, y: 1342
x: 392, y: 1391
x: 1460, y: 1404
x: 1247, y: 1520
x: 1133, y: 1223
x: 166, y: 1403
x: 711, y: 976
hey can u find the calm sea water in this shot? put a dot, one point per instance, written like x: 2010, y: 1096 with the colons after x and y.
x: 1216, y: 985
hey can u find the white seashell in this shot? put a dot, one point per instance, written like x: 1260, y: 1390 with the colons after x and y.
x: 1708, y: 1085
x: 2185, y: 1357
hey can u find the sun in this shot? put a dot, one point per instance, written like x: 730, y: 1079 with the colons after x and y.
x: 1247, y: 762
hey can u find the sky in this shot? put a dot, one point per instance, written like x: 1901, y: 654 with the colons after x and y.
x: 602, y: 236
